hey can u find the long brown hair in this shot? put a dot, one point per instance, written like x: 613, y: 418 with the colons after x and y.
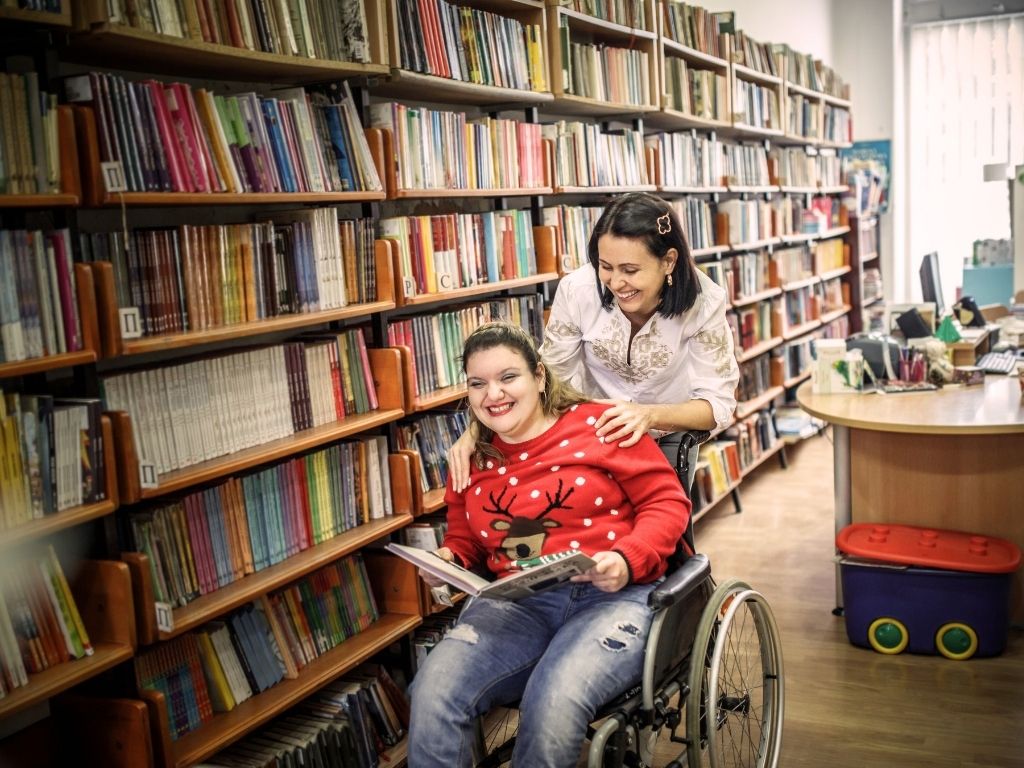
x: 557, y: 397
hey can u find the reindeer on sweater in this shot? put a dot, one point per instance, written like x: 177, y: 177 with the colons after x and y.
x: 525, y: 536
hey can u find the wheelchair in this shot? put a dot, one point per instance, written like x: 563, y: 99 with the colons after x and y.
x: 712, y: 680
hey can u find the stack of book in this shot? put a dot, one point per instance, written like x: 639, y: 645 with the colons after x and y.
x: 697, y: 28
x: 40, y: 626
x: 255, y: 647
x: 169, y: 137
x: 214, y: 537
x: 318, y: 29
x: 687, y: 159
x: 51, y: 456
x: 38, y: 299
x: 212, y: 406
x: 430, y: 436
x: 29, y: 149
x: 573, y: 225
x: 587, y: 157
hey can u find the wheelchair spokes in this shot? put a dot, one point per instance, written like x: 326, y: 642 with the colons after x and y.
x: 498, y: 736
x: 734, y: 712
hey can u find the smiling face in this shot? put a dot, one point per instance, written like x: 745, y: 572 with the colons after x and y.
x: 505, y: 394
x: 633, y: 275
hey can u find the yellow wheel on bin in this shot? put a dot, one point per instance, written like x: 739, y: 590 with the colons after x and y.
x: 956, y: 641
x: 888, y: 635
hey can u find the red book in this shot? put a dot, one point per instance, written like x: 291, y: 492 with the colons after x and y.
x: 371, y: 389
x: 199, y: 554
x: 298, y: 468
x: 234, y: 26
x: 66, y: 289
x: 181, y: 180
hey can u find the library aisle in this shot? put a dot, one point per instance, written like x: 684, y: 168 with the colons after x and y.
x: 846, y: 706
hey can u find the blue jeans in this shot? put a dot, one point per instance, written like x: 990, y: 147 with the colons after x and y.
x: 564, y: 653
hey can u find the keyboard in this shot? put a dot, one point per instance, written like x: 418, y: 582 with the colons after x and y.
x: 998, y: 362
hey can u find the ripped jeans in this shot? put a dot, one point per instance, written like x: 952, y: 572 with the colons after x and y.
x: 564, y: 653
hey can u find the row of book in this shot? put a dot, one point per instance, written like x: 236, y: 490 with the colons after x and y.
x: 51, y: 456
x: 171, y: 137
x: 431, y: 435
x: 350, y: 723
x: 29, y: 148
x: 751, y: 325
x: 437, y: 149
x: 457, y: 250
x: 794, y: 167
x: 604, y: 72
x: 436, y: 340
x: 626, y: 13
x: 837, y: 125
x: 746, y: 221
x: 573, y: 226
x: 753, y: 54
x: 40, y: 626
x: 798, y: 307
x: 702, y: 93
x: 193, y: 411
x: 755, y: 105
x: 39, y: 312
x: 696, y: 27
x: 584, y: 156
x: 447, y: 40
x: 803, y: 116
x: 687, y: 159
x: 795, y: 357
x: 697, y: 217
x: 804, y: 70
x: 755, y: 378
x: 252, y: 649
x: 195, y: 277
x: 718, y: 469
x: 318, y: 29
x: 214, y: 537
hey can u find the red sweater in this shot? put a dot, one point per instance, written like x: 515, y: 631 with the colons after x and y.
x: 567, y: 489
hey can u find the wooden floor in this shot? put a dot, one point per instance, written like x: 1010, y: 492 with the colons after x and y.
x: 846, y: 706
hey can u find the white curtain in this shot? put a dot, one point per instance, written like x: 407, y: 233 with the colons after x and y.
x: 966, y: 110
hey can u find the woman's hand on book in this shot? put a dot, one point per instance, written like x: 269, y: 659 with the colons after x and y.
x: 609, y: 574
x: 624, y: 421
x: 431, y: 580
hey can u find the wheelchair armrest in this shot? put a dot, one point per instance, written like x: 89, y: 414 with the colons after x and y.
x: 679, y: 584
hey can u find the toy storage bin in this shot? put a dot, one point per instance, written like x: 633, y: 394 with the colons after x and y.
x: 926, y: 590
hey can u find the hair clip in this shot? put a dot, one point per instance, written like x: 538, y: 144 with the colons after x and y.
x: 664, y: 224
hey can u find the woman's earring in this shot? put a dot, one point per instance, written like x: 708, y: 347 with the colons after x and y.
x: 668, y: 279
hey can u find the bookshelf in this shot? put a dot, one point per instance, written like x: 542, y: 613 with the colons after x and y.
x: 644, y: 117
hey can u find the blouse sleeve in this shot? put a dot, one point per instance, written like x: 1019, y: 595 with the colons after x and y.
x: 562, y: 350
x: 710, y: 362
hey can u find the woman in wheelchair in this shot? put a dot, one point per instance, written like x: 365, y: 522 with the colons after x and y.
x: 641, y: 326
x: 543, y: 481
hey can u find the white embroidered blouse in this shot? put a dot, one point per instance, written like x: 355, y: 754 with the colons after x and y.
x: 673, y: 360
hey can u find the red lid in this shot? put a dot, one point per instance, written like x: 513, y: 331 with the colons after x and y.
x: 929, y: 547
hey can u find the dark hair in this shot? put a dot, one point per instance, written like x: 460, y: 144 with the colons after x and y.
x: 558, y: 396
x: 636, y: 216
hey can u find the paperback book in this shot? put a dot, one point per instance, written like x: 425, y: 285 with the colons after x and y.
x: 550, y: 571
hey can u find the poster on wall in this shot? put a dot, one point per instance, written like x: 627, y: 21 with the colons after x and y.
x: 867, y: 168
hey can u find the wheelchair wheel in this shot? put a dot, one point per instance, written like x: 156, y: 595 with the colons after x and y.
x: 735, y: 704
x: 497, y: 737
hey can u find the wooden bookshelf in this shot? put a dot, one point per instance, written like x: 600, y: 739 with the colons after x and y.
x: 765, y: 455
x: 163, y: 199
x: 758, y: 349
x: 604, y: 190
x: 433, y: 500
x: 59, y: 200
x: 114, y: 345
x: 803, y: 282
x: 112, y: 45
x: 425, y: 299
x: 102, y: 591
x: 47, y: 363
x: 799, y: 330
x: 226, y: 728
x: 214, y: 604
x: 430, y: 194
x: 753, y: 405
x: 754, y: 244
x: 754, y: 298
x: 794, y: 381
x: 403, y: 84
x: 834, y: 273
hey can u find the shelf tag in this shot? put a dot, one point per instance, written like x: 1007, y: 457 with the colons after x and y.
x: 131, y: 322
x: 147, y: 474
x: 113, y: 176
x: 408, y: 287
x: 164, y: 617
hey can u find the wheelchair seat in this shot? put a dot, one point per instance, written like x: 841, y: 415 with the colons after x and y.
x: 712, y: 666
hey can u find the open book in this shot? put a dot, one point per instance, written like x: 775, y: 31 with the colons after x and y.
x: 550, y: 571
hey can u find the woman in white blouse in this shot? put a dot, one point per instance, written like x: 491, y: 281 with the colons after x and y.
x: 641, y: 326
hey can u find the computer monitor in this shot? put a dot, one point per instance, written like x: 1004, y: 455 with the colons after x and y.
x: 931, y: 286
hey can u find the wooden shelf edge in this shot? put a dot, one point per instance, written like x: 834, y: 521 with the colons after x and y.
x: 233, y: 198
x: 47, y: 363
x: 439, y: 397
x: 38, y: 201
x: 48, y: 683
x: 430, y: 194
x: 225, y: 729
x: 50, y: 524
x: 476, y: 290
x: 768, y: 293
x: 433, y: 500
x: 208, y: 606
x: 261, y: 454
x: 759, y: 349
x: 800, y: 330
x: 253, y: 328
x: 765, y: 455
x: 748, y: 407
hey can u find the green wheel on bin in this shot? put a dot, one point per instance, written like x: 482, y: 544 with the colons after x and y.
x: 888, y: 635
x: 956, y: 641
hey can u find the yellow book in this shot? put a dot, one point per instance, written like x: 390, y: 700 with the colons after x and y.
x: 62, y: 582
x: 216, y: 681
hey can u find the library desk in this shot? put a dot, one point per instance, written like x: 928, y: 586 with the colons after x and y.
x: 953, y: 458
